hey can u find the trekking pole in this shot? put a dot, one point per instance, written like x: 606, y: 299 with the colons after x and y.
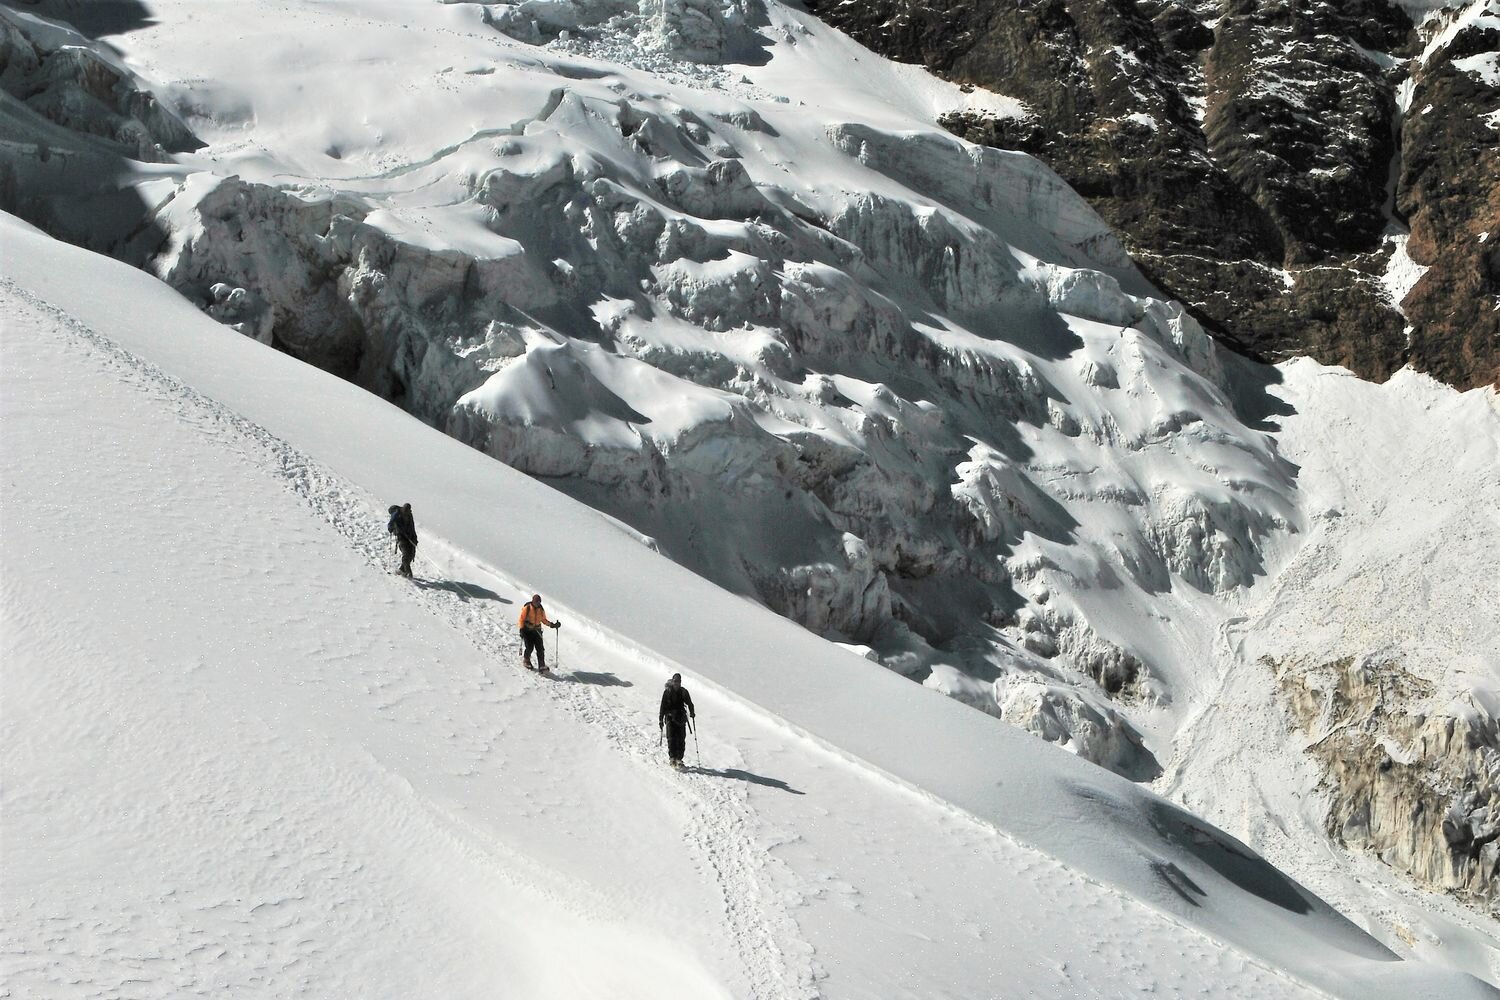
x: 697, y: 754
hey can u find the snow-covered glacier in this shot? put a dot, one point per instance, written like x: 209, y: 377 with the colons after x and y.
x: 906, y: 390
x: 713, y: 268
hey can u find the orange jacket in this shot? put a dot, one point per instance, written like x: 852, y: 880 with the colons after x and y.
x: 533, y: 615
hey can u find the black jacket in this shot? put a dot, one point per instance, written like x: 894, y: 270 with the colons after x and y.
x: 403, y: 525
x: 676, y: 705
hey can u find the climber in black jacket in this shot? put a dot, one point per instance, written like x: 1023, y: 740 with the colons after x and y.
x: 676, y: 709
x: 404, y: 527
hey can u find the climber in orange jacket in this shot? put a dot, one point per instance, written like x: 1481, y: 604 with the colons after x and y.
x: 533, y: 617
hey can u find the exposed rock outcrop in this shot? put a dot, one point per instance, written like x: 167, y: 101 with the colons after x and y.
x: 1449, y: 187
x: 1417, y: 787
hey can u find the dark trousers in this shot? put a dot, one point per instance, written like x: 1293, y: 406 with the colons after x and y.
x: 533, y: 639
x: 408, y: 550
x: 676, y: 738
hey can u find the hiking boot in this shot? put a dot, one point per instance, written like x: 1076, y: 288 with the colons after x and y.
x: 527, y: 664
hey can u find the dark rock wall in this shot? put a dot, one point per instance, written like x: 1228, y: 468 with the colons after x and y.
x: 1450, y: 191
x: 1247, y: 150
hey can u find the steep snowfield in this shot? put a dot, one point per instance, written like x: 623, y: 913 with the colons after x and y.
x: 712, y: 264
x: 702, y: 264
x: 241, y: 755
x: 1385, y: 617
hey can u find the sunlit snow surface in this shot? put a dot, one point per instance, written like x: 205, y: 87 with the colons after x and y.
x: 242, y: 756
x: 388, y: 735
x: 948, y: 417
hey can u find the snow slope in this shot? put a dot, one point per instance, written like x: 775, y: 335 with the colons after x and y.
x: 1392, y: 590
x: 955, y: 357
x: 760, y: 287
x: 241, y: 755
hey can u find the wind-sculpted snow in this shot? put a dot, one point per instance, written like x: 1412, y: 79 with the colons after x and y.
x: 346, y: 764
x: 919, y: 377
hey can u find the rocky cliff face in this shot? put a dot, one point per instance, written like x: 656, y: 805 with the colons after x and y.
x: 1416, y: 786
x: 1449, y: 190
x: 1246, y: 150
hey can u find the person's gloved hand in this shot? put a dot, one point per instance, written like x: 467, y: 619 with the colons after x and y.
x: 557, y: 624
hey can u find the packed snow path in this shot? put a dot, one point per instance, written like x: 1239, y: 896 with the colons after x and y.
x: 243, y: 756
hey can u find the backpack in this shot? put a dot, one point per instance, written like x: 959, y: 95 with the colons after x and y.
x: 401, y: 525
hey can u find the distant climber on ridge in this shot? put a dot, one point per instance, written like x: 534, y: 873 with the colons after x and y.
x: 533, y: 617
x: 676, y: 709
x: 404, y: 527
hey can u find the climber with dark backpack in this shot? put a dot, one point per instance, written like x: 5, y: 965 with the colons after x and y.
x: 674, y: 717
x: 404, y: 527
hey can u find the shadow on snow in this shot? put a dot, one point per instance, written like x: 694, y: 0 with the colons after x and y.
x: 738, y: 775
x: 467, y: 591
x: 602, y: 679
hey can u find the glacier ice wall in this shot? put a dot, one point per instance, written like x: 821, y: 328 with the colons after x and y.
x: 905, y: 390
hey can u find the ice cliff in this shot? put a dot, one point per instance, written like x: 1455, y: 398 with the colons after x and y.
x: 918, y: 378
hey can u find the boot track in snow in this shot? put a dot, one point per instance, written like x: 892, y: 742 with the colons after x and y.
x: 722, y: 829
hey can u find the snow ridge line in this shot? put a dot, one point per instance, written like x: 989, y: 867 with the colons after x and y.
x: 722, y: 831
x: 925, y: 797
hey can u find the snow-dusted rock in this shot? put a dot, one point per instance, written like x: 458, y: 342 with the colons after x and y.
x: 1417, y: 784
x: 1248, y: 150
